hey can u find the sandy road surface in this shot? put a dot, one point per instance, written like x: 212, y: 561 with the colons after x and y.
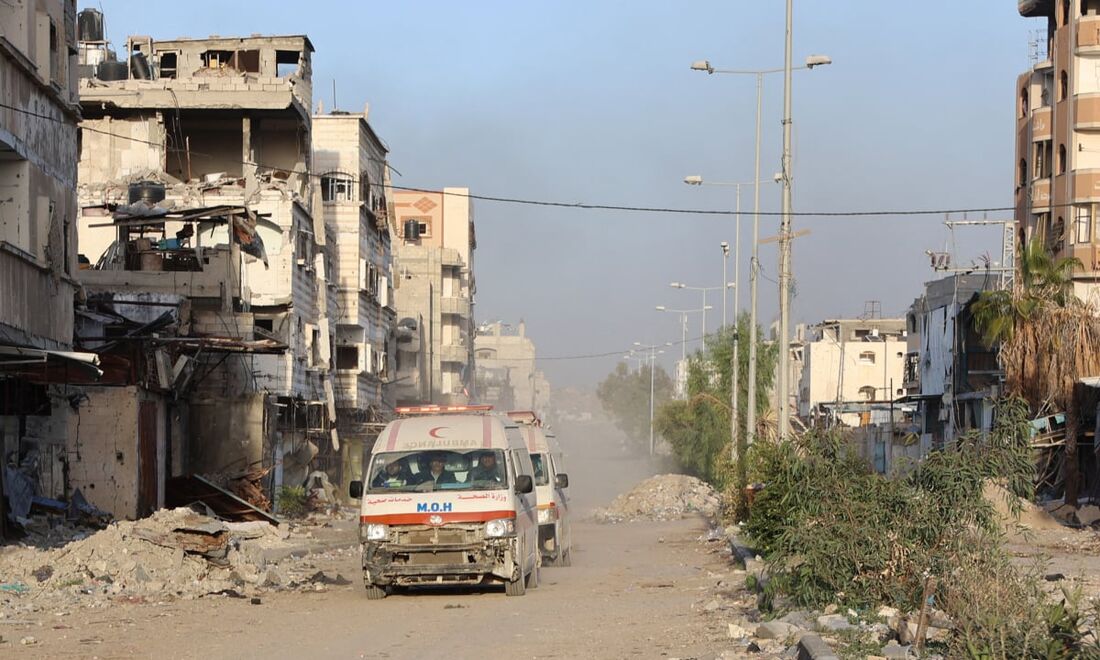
x: 634, y: 591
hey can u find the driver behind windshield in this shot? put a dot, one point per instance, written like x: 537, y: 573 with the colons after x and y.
x: 487, y: 469
x: 437, y: 472
x: 394, y: 475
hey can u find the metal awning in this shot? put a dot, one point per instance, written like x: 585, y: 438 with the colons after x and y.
x: 19, y: 360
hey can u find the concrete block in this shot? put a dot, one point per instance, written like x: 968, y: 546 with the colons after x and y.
x: 833, y: 622
x: 895, y: 651
x: 812, y: 647
x: 776, y: 630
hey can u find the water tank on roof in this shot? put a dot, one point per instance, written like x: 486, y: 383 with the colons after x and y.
x: 112, y: 70
x: 412, y: 230
x: 89, y: 25
x: 149, y: 192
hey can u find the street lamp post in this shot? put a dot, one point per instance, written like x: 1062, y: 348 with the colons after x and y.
x: 754, y: 265
x: 704, y: 289
x: 653, y: 353
x: 683, y: 323
x: 697, y: 180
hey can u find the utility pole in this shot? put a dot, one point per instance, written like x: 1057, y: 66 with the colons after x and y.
x: 754, y: 267
x: 785, y: 242
x: 653, y: 352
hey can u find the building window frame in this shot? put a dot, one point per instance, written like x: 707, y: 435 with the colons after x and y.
x: 337, y: 187
x: 1082, y: 224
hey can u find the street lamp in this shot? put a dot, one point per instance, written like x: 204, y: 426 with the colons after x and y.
x: 683, y: 323
x: 653, y: 353
x: 754, y: 266
x: 704, y: 289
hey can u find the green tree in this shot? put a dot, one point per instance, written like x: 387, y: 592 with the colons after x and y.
x: 1042, y: 280
x: 624, y: 395
x: 1023, y: 321
x: 698, y: 428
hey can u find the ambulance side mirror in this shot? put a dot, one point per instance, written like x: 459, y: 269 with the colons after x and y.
x: 524, y: 484
x: 562, y: 481
x: 355, y: 489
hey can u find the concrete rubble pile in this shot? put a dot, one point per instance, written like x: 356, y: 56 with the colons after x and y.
x: 173, y: 554
x: 663, y: 497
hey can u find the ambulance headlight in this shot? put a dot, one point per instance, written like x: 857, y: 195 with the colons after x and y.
x: 495, y: 529
x: 375, y: 532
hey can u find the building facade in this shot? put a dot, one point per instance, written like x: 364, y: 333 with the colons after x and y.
x: 38, y: 210
x: 507, y: 377
x: 434, y: 286
x: 219, y: 126
x: 848, y: 361
x: 1058, y: 136
x: 351, y: 161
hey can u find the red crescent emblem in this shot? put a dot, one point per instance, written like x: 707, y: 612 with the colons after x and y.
x: 435, y: 432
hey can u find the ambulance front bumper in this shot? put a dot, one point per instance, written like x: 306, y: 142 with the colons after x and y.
x: 386, y: 563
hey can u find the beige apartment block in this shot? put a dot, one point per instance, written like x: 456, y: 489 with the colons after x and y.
x: 847, y: 361
x: 220, y: 123
x: 351, y: 161
x: 434, y: 286
x: 1058, y: 135
x: 507, y: 377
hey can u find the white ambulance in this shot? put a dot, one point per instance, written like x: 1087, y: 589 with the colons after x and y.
x: 448, y: 499
x: 551, y: 484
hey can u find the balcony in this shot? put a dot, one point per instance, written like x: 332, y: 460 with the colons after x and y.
x: 1040, y: 193
x: 1086, y: 185
x: 1088, y: 35
x: 455, y: 305
x: 454, y: 353
x: 1040, y: 124
x: 1086, y: 112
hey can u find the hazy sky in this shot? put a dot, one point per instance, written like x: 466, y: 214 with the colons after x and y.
x: 590, y: 101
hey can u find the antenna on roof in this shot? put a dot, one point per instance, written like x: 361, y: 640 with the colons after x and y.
x: 334, y: 106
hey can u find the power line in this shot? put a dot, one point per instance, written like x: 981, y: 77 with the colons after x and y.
x: 570, y: 205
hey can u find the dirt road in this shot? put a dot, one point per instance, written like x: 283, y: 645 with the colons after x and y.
x: 635, y: 590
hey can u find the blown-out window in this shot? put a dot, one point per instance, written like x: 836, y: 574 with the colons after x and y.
x: 336, y: 187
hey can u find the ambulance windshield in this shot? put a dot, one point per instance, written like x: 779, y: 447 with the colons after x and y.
x: 430, y: 470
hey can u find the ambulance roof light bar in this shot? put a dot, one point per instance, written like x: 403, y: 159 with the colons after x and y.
x: 436, y: 409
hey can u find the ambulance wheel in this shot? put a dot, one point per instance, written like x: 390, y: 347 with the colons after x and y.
x: 375, y: 592
x: 516, y: 587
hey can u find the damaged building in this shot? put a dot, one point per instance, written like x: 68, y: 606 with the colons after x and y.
x: 38, y: 152
x: 197, y: 212
x: 353, y: 203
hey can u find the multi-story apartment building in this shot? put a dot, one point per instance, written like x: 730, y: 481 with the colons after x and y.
x: 1058, y: 135
x: 351, y: 162
x: 850, y: 361
x: 507, y: 377
x: 434, y: 287
x: 38, y: 152
x: 219, y: 123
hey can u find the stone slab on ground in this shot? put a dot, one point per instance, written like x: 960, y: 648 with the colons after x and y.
x: 833, y: 622
x: 776, y: 630
x: 812, y: 647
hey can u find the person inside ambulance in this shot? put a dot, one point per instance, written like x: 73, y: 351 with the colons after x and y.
x: 487, y: 469
x: 437, y: 472
x: 394, y: 475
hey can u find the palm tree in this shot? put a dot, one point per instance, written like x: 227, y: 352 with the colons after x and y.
x: 1042, y: 280
x: 1023, y: 321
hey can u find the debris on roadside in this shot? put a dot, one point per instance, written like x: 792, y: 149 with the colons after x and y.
x: 662, y: 497
x: 173, y: 554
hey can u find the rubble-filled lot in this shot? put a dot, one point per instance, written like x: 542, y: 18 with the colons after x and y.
x: 172, y: 555
x: 662, y: 497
